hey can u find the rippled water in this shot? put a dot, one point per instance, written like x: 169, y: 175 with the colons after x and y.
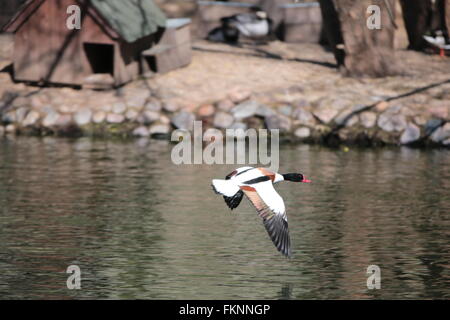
x: 140, y: 227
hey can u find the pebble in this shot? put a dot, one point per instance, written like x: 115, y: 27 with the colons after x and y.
x: 206, y: 110
x: 223, y: 120
x: 368, y: 119
x: 225, y: 105
x: 83, y: 117
x: 141, y: 131
x: 302, y: 132
x: 99, y: 117
x: 411, y: 134
x: 131, y: 115
x: 50, y: 119
x: 183, y: 120
x: 278, y: 122
x: 150, y: 116
x: 31, y: 118
x: 64, y: 120
x: 391, y: 122
x: 441, y: 134
x: 115, y: 118
x: 159, y: 129
x: 245, y: 109
x: 239, y: 95
x: 119, y: 107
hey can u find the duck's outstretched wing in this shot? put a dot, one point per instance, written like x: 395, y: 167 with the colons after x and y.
x: 270, y: 207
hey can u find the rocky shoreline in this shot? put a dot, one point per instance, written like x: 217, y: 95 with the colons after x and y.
x: 139, y: 112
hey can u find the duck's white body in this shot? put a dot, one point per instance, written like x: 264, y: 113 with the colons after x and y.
x: 252, y: 25
x: 257, y: 185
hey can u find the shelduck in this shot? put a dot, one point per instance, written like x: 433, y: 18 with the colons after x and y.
x: 257, y: 185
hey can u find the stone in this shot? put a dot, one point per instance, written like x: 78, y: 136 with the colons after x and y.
x: 264, y: 111
x: 238, y: 125
x: 245, y: 109
x: 159, y: 129
x: 325, y: 114
x: 10, y: 128
x: 9, y: 117
x: 285, y: 110
x: 171, y: 106
x: 164, y: 119
x: 99, y: 117
x: 83, y: 116
x: 439, y: 111
x: 381, y: 106
x: 206, y: 110
x: 21, y: 113
x: 150, y: 116
x: 411, y: 134
x: 239, y: 95
x: 20, y: 102
x: 368, y: 119
x: 304, y: 116
x: 302, y: 132
x: 432, y: 125
x: 137, y: 102
x: 106, y: 108
x: 50, y: 119
x: 391, y: 122
x: 115, y: 118
x: 31, y: 118
x: 225, y: 105
x: 153, y: 105
x: 119, y: 107
x: 64, y: 120
x: 141, y: 131
x: 420, y: 120
x: 131, y: 115
x: 183, y: 120
x: 278, y: 122
x: 223, y: 120
x: 441, y: 134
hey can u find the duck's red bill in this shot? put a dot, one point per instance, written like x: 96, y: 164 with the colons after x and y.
x: 306, y: 180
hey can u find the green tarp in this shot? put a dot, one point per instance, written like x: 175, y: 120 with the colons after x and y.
x: 132, y: 19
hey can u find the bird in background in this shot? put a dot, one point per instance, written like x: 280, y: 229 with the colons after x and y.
x: 257, y: 185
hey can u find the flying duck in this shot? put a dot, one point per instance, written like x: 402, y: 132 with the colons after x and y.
x: 257, y: 185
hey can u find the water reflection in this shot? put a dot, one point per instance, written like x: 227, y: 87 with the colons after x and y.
x: 140, y: 227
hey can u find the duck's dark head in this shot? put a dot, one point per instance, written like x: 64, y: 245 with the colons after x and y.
x: 295, y: 177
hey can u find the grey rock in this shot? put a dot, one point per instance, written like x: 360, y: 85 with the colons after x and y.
x: 325, y: 114
x: 304, y: 116
x: 264, y: 111
x: 184, y: 120
x: 115, y: 118
x: 131, y: 115
x: 302, y: 132
x: 137, y: 102
x: 50, y: 119
x: 368, y: 119
x: 159, y: 129
x: 119, y: 107
x: 21, y: 113
x: 285, y: 110
x: 171, y: 106
x: 225, y: 105
x: 391, y: 122
x: 278, y: 122
x: 64, y: 120
x: 411, y: 134
x: 83, y: 117
x: 141, y: 131
x: 245, y: 109
x: 31, y: 118
x: 239, y: 125
x: 441, y: 134
x: 432, y: 125
x: 223, y: 120
x: 99, y: 117
x: 153, y: 105
x: 150, y: 116
x: 9, y: 117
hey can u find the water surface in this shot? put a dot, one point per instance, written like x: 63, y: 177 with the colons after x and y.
x: 140, y: 227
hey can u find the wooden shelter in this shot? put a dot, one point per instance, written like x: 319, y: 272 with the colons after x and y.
x: 109, y: 43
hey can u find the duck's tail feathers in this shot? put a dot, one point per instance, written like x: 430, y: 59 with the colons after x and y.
x: 226, y: 188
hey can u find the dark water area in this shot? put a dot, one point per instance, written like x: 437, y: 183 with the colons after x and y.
x: 139, y: 226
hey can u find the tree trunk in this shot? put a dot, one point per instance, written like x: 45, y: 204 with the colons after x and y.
x: 360, y: 50
x: 417, y: 17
